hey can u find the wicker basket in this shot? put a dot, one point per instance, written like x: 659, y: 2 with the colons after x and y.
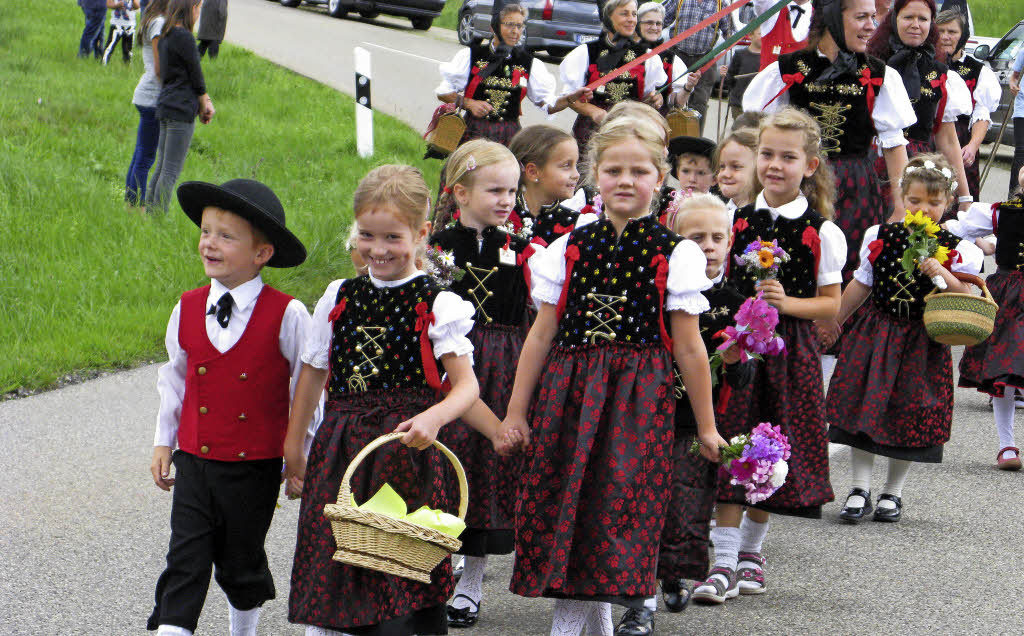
x: 683, y: 122
x: 370, y: 540
x: 445, y: 137
x: 960, y: 319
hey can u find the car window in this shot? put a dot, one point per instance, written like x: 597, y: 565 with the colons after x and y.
x: 1009, y: 46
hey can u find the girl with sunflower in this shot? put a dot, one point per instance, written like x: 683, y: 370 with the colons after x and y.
x: 892, y: 392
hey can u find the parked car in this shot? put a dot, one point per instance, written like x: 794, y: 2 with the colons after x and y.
x: 555, y: 26
x: 420, y: 12
x: 1000, y: 57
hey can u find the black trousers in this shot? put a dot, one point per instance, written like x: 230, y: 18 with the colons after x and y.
x: 125, y: 38
x: 212, y: 45
x: 1018, y: 152
x: 220, y: 515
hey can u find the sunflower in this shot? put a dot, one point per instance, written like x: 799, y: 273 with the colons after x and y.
x: 942, y: 254
x: 766, y: 258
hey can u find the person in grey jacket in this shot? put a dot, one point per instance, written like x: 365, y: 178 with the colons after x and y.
x: 213, y: 20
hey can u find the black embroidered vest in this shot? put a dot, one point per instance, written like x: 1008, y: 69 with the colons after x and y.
x: 497, y: 290
x: 376, y: 343
x: 627, y: 86
x: 612, y: 294
x: 893, y: 291
x: 505, y: 88
x: 840, y: 106
x: 1010, y: 232
x: 926, y: 106
x: 548, y: 223
x: 969, y: 69
x: 799, y: 237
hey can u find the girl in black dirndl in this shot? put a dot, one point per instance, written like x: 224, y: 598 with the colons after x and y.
x: 588, y: 62
x: 484, y: 180
x: 594, y: 383
x: 549, y: 158
x: 892, y: 391
x: 996, y: 366
x: 787, y: 390
x: 374, y: 342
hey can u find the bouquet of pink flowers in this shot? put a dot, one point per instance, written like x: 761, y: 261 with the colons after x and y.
x: 756, y: 461
x: 763, y: 258
x: 754, y: 335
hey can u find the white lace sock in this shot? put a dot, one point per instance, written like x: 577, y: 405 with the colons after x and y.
x: 172, y: 630
x: 599, y: 619
x: 471, y: 584
x: 570, y: 617
x: 727, y: 546
x: 1003, y: 408
x: 651, y: 603
x: 320, y: 631
x: 752, y: 534
x: 243, y: 622
x: 861, y: 465
x: 828, y: 366
x: 894, y: 480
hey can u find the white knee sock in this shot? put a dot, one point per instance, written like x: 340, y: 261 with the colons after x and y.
x: 651, y: 603
x: 861, y: 465
x: 752, y: 534
x: 172, y: 630
x: 243, y: 622
x: 1003, y: 408
x: 320, y: 631
x: 471, y: 584
x: 570, y: 617
x: 828, y: 367
x: 894, y: 480
x: 599, y: 619
x: 727, y: 546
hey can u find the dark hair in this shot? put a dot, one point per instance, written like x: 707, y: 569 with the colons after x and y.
x: 154, y: 10
x: 817, y: 29
x: 179, y: 11
x: 534, y: 144
x: 749, y: 119
x: 879, y: 43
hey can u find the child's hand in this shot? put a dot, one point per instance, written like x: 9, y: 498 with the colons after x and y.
x: 931, y: 268
x: 513, y: 436
x: 828, y: 332
x: 774, y: 294
x: 293, y: 487
x: 709, y: 445
x: 987, y: 247
x: 731, y: 355
x: 421, y: 431
x: 161, y: 467
x: 294, y: 462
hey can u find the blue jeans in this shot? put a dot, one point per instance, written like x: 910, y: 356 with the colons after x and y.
x: 92, y: 35
x: 145, y: 153
x: 171, y: 150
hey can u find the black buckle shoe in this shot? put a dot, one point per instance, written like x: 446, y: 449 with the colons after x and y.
x: 890, y: 515
x: 636, y: 622
x: 676, y: 594
x: 464, y: 617
x: 855, y: 514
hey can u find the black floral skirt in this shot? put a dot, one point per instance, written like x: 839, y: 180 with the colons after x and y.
x: 892, y: 390
x: 859, y: 204
x: 336, y: 596
x: 998, y: 362
x: 593, y: 498
x: 499, y: 131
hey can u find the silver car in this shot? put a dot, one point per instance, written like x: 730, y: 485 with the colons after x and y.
x: 1000, y: 57
x: 555, y: 26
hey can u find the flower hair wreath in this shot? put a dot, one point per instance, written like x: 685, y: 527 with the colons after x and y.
x: 930, y: 165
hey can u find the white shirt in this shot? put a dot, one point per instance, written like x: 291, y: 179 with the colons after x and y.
x: 540, y: 87
x: 891, y: 114
x: 970, y: 254
x: 803, y: 25
x: 974, y: 222
x: 171, y: 377
x: 987, y: 94
x: 958, y: 97
x: 833, y: 241
x: 453, y: 319
x: 574, y: 71
x: 686, y: 279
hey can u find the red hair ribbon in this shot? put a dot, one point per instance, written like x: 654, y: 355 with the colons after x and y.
x: 456, y: 215
x: 447, y: 189
x: 870, y: 83
x: 423, y: 321
x: 523, y: 260
x: 790, y: 79
x: 572, y: 254
x: 811, y: 239
x: 337, y: 311
x: 660, y: 263
x: 941, y: 85
x: 874, y: 249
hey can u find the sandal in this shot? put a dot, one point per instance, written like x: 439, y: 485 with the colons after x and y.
x: 463, y: 617
x: 750, y: 580
x: 1009, y: 463
x: 713, y: 591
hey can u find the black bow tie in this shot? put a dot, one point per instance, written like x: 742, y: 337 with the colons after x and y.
x: 222, y: 309
x: 799, y: 13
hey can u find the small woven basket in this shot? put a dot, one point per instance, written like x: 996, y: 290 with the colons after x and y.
x: 683, y: 122
x: 960, y: 319
x: 377, y: 542
x: 445, y: 137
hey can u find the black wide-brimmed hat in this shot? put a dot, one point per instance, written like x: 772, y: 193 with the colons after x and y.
x: 252, y: 201
x: 691, y: 145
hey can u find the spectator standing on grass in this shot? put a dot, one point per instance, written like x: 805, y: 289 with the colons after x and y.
x: 680, y: 15
x: 213, y: 20
x: 146, y: 93
x: 92, y: 35
x: 745, y: 64
x: 182, y: 97
x: 122, y: 29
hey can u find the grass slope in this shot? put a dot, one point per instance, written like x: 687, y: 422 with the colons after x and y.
x: 85, y: 283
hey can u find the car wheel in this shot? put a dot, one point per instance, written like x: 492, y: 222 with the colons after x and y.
x: 369, y: 15
x: 336, y: 9
x: 290, y: 3
x: 465, y: 31
x: 421, y: 23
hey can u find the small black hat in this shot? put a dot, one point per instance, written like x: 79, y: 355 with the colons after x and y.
x: 691, y: 145
x: 252, y: 201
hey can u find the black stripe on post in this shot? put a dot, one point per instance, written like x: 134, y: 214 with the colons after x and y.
x: 363, y: 90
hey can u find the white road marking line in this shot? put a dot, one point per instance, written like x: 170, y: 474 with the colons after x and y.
x: 377, y: 46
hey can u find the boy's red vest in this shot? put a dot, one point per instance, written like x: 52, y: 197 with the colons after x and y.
x: 780, y: 39
x: 236, y: 403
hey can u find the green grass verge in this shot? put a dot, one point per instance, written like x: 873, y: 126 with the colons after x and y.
x: 449, y: 18
x: 993, y: 18
x: 85, y: 282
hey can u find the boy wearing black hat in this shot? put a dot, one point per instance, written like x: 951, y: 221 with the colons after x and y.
x: 234, y: 348
x: 691, y: 162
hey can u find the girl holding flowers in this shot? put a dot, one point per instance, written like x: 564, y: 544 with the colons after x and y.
x: 594, y: 382
x: 892, y: 392
x: 792, y: 213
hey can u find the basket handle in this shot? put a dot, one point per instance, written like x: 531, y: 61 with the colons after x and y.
x: 345, y: 491
x: 970, y: 279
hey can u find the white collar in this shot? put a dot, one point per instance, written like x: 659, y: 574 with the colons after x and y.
x: 718, y: 279
x: 792, y: 210
x: 395, y: 283
x: 731, y: 205
x: 243, y: 295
